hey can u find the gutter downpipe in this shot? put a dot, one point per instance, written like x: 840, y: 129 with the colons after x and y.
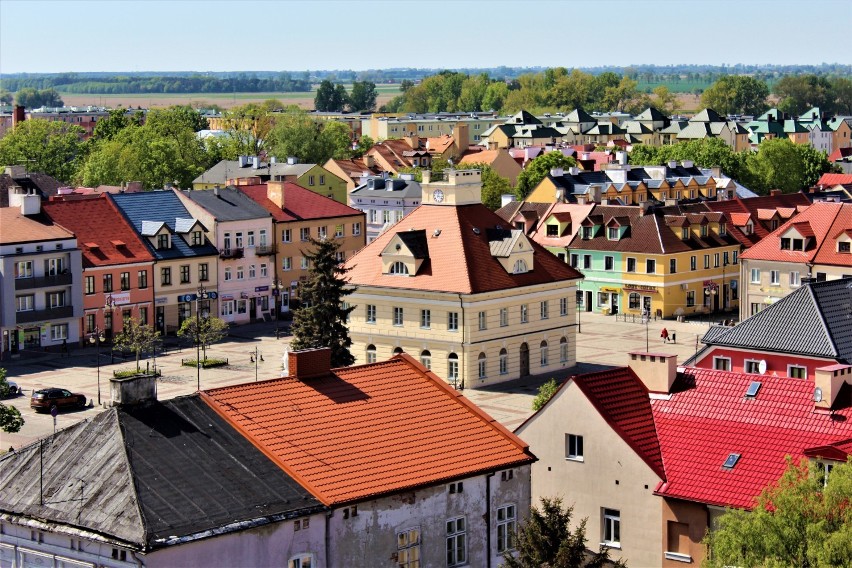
x: 327, y: 538
x: 488, y: 477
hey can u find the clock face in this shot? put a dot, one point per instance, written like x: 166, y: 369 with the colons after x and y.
x: 438, y: 196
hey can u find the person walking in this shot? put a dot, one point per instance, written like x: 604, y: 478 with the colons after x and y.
x: 665, y: 335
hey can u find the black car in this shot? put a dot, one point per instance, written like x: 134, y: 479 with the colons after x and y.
x: 47, y: 399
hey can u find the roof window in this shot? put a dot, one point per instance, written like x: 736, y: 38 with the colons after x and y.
x: 732, y: 460
x: 753, y: 388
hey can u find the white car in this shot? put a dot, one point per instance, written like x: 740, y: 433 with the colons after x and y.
x: 14, y: 389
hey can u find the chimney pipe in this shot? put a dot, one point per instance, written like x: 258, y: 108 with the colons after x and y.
x: 309, y: 363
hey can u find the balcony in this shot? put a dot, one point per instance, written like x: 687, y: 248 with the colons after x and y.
x: 45, y: 315
x: 63, y: 279
x: 264, y: 250
x: 231, y: 253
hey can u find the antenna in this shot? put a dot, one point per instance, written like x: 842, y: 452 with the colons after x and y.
x: 761, y: 366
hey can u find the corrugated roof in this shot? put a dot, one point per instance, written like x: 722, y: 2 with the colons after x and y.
x: 368, y: 430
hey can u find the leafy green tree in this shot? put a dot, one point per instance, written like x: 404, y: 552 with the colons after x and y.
x: 364, y: 144
x: 32, y: 98
x: 841, y: 88
x: 363, y: 96
x: 405, y: 84
x: 49, y: 147
x: 799, y: 93
x: 545, y: 393
x: 330, y: 97
x: 11, y: 420
x: 736, y: 94
x: 320, y: 320
x: 623, y: 96
x: 473, y: 93
x: 706, y: 153
x: 249, y: 127
x: 546, y: 539
x: 312, y: 141
x: 778, y: 164
x: 598, y: 89
x: 176, y: 118
x: 495, y: 95
x: 665, y: 100
x: 814, y: 164
x: 117, y: 120
x: 6, y: 97
x: 538, y: 169
x: 203, y: 331
x: 802, y: 520
x: 136, y: 338
x: 494, y: 186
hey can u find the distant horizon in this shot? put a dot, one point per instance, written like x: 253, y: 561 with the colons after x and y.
x: 130, y: 35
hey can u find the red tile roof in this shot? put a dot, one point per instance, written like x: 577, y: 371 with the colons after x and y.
x: 751, y: 205
x: 97, y: 221
x: 299, y: 203
x: 708, y: 417
x: 18, y: 228
x: 368, y: 430
x: 834, y: 179
x: 460, y: 260
x: 355, y: 168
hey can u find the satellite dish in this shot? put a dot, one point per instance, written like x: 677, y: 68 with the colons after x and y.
x: 761, y: 366
x: 817, y: 394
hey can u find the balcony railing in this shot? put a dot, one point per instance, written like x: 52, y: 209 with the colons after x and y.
x: 231, y: 253
x: 64, y: 279
x: 264, y: 250
x: 45, y: 315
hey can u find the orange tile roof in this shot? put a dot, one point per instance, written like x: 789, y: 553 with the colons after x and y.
x: 17, y: 228
x: 460, y: 260
x: 369, y: 430
x: 483, y: 157
x: 440, y: 144
x: 97, y: 221
x: 834, y: 179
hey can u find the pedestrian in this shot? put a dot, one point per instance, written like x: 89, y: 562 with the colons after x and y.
x: 65, y: 347
x: 665, y: 335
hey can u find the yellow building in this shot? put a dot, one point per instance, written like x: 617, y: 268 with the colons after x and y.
x: 453, y: 285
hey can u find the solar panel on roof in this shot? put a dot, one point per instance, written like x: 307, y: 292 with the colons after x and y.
x: 731, y: 461
x: 753, y: 388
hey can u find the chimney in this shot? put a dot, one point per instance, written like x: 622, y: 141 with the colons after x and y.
x: 657, y: 371
x: 621, y: 158
x: 595, y: 193
x: 309, y: 363
x: 557, y: 172
x: 292, y: 160
x: 506, y: 199
x: 774, y: 192
x: 574, y: 171
x: 427, y: 176
x: 687, y: 164
x: 672, y: 164
x: 829, y: 380
x: 670, y: 201
x: 243, y: 161
x: 216, y: 191
x: 255, y: 162
x: 275, y: 192
x: 716, y: 172
x: 18, y: 116
x: 413, y: 141
x: 132, y: 390
x: 643, y: 208
x: 369, y: 160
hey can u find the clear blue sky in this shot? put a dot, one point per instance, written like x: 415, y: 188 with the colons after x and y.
x: 70, y: 35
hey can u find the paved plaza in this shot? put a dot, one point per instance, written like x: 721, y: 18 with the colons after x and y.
x: 603, y: 341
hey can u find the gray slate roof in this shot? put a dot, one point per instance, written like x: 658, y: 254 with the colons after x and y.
x: 814, y: 320
x: 230, y: 169
x: 377, y: 187
x: 150, y: 475
x: 229, y: 205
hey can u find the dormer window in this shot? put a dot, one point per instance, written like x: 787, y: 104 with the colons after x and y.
x: 520, y: 267
x: 196, y: 238
x: 612, y: 233
x: 798, y: 244
x: 785, y: 243
x: 587, y: 233
x: 162, y: 242
x: 399, y: 268
x: 553, y: 230
x: 723, y: 229
x: 703, y: 230
x: 773, y: 224
x: 684, y: 233
x: 843, y: 246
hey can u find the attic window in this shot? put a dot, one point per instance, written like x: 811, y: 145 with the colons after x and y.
x: 520, y: 267
x: 844, y: 247
x: 399, y: 268
x: 731, y: 461
x: 684, y: 233
x: 723, y: 229
x: 753, y: 388
x: 92, y: 245
x: 703, y: 230
x: 612, y: 233
x: 553, y: 230
x: 475, y: 230
x: 587, y: 233
x: 798, y: 244
x: 785, y: 243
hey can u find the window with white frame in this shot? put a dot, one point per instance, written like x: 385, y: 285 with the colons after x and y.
x: 264, y: 271
x: 693, y: 263
x: 371, y: 313
x: 612, y: 233
x: 304, y: 560
x: 506, y: 519
x: 287, y: 236
x: 287, y: 263
x: 609, y: 262
x: 544, y: 309
x: 751, y: 366
x: 755, y: 276
x: 563, y: 350
x: 238, y: 240
x: 426, y: 319
x: 356, y: 229
x: 240, y: 272
x: 228, y: 274
x: 252, y: 271
x: 452, y: 367
x: 399, y: 268
x: 59, y: 331
x: 227, y: 307
x: 24, y: 269
x: 633, y: 301
x: 371, y: 354
x: 651, y: 266
x: 456, y: 542
x: 408, y: 548
x: 504, y: 317
x: 482, y: 364
x: 504, y: 362
x: 426, y: 359
x: 797, y: 372
x: 338, y: 231
x: 482, y: 317
x: 722, y: 363
x: 795, y: 279
x: 545, y: 354
x: 304, y: 263
x: 611, y: 527
x: 524, y: 313
x: 322, y: 232
x: 305, y: 233
x: 453, y: 321
x: 573, y: 447
x: 397, y: 316
x: 690, y: 298
x: 262, y: 237
x: 251, y: 238
x: 775, y: 277
x: 563, y: 306
x: 520, y: 267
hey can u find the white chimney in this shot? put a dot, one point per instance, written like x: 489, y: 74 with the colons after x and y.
x: 621, y: 157
x: 557, y: 172
x: 506, y: 199
x: 574, y: 170
x: 292, y: 160
x: 687, y: 163
x: 672, y: 164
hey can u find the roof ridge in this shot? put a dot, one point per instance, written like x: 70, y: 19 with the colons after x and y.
x: 124, y: 446
x: 823, y: 321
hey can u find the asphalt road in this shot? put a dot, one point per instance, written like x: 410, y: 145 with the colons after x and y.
x: 602, y: 342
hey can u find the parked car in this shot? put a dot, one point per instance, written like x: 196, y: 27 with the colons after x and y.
x: 14, y: 389
x: 46, y: 399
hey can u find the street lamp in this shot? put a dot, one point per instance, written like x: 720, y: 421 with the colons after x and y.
x: 579, y: 302
x: 109, y: 307
x: 255, y: 356
x: 202, y: 295
x: 96, y: 337
x: 277, y: 287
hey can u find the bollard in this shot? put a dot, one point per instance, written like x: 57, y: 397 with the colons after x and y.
x: 674, y: 337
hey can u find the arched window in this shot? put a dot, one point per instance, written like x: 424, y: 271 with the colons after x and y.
x: 504, y: 362
x: 399, y: 268
x: 520, y: 267
x: 563, y: 350
x: 397, y: 351
x: 426, y: 359
x: 453, y: 367
x: 544, y: 353
x: 483, y: 367
x: 371, y: 353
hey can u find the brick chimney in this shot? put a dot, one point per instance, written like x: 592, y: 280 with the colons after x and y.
x: 829, y: 380
x: 309, y: 363
x: 656, y: 370
x: 18, y: 116
x: 774, y: 192
x: 275, y: 192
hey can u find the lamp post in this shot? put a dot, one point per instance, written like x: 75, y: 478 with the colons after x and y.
x: 109, y: 307
x: 277, y: 287
x: 202, y: 295
x: 255, y: 356
x: 96, y: 337
x: 579, y: 299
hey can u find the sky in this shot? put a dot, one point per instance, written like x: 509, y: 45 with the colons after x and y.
x: 228, y: 35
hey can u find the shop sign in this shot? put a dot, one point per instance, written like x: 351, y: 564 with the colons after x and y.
x: 121, y: 298
x: 261, y: 288
x: 611, y: 290
x: 640, y: 288
x: 163, y: 300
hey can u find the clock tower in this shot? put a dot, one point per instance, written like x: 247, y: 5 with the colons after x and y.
x: 452, y: 187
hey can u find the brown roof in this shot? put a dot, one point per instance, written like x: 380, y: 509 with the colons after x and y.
x: 358, y: 432
x: 483, y: 157
x: 460, y: 259
x: 299, y: 203
x: 355, y: 168
x: 16, y: 228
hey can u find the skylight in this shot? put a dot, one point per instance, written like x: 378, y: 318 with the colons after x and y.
x: 732, y: 460
x: 753, y: 388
